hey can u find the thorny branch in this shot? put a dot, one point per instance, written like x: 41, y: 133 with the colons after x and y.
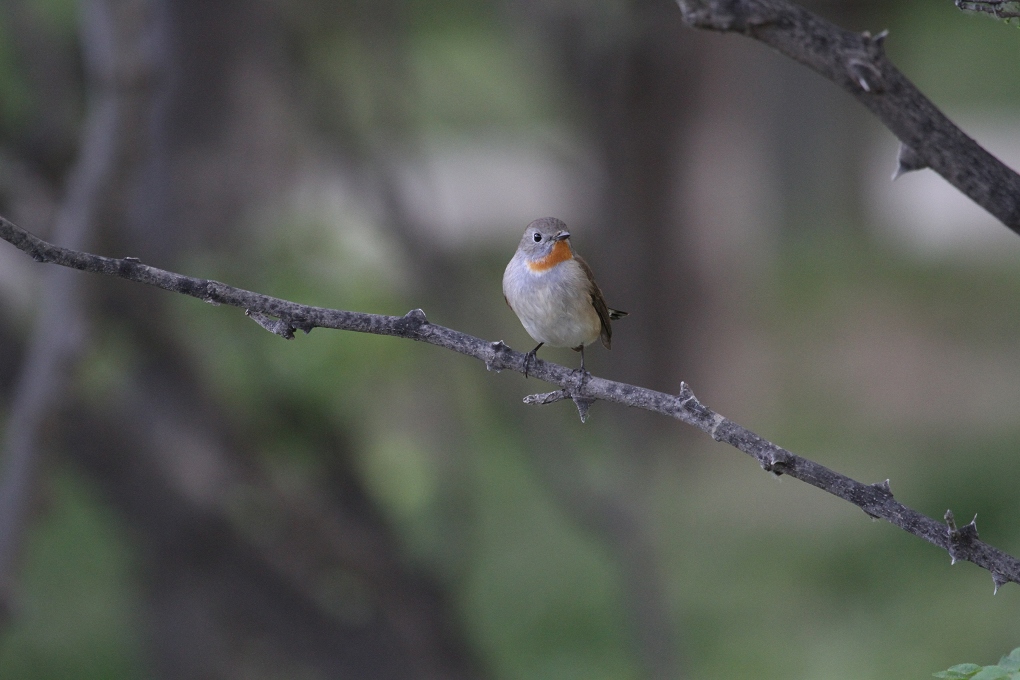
x: 857, y: 63
x: 1003, y: 9
x: 283, y: 318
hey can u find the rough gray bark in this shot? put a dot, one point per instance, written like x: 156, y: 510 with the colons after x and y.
x: 1003, y: 9
x: 283, y: 318
x: 856, y: 62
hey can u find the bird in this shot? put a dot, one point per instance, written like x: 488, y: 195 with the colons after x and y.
x: 554, y: 294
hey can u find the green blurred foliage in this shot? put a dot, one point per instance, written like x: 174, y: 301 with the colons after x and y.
x: 18, y: 101
x: 75, y: 614
x: 14, y: 93
x: 957, y: 59
x: 1008, y: 668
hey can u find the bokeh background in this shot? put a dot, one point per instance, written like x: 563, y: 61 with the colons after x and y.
x: 197, y: 498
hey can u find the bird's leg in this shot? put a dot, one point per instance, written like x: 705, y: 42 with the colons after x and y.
x: 529, y: 357
x: 584, y: 374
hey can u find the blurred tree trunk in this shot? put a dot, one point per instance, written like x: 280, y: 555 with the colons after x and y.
x: 113, y: 62
x: 816, y: 132
x: 241, y: 580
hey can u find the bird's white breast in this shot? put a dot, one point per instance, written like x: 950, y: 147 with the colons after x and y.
x: 553, y: 305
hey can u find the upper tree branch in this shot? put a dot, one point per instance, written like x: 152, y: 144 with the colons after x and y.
x: 1003, y: 9
x: 284, y: 317
x: 857, y: 63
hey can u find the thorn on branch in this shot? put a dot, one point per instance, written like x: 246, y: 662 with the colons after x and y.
x: 885, y: 490
x: 686, y: 399
x: 282, y: 327
x: 908, y: 160
x: 883, y: 487
x: 866, y: 74
x: 129, y: 265
x: 583, y: 404
x: 416, y: 315
x: 696, y: 412
x: 863, y: 66
x: 875, y: 45
x: 999, y: 580
x: 960, y: 538
x: 412, y: 323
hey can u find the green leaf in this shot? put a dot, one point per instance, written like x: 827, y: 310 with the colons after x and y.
x: 992, y: 673
x: 959, y: 672
x: 1011, y: 660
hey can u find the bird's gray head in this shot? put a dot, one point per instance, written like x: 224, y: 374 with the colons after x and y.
x: 541, y: 236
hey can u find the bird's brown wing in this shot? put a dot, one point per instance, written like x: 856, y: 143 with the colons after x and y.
x: 598, y: 302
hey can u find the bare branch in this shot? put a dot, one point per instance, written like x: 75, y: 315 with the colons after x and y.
x: 857, y: 63
x: 875, y: 499
x: 1003, y: 9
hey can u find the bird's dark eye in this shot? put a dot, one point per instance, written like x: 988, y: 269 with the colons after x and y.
x: 538, y: 238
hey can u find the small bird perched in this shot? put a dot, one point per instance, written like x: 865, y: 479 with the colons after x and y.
x: 553, y: 292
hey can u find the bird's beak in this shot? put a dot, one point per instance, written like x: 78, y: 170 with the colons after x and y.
x: 562, y: 235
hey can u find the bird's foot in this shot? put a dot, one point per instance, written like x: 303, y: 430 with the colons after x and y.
x: 583, y: 376
x: 528, y: 359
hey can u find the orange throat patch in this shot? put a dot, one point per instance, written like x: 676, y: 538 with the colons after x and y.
x: 560, y: 253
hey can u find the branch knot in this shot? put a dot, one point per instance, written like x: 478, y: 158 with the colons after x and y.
x: 582, y: 401
x: 496, y: 361
x: 775, y: 459
x: 282, y: 326
x: 546, y: 397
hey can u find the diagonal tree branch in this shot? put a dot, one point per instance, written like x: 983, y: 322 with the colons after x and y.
x: 283, y: 318
x: 857, y: 63
x: 1002, y: 9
